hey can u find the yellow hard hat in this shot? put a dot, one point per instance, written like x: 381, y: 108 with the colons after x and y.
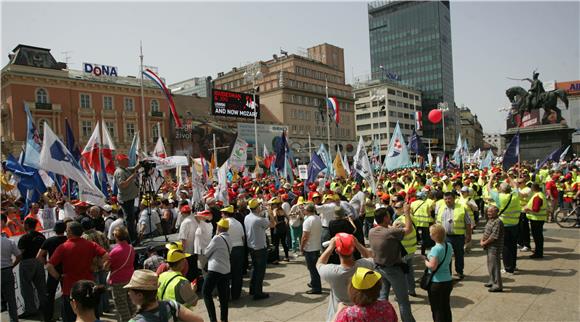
x: 253, y: 203
x: 175, y: 255
x: 364, y: 278
x: 300, y: 200
x: 274, y: 200
x: 229, y: 209
x: 174, y: 245
x: 224, y: 223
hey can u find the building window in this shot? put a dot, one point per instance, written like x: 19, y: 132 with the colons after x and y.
x: 129, y: 104
x: 111, y: 128
x: 86, y: 128
x: 40, y: 126
x: 155, y: 132
x: 130, y: 130
x: 85, y: 101
x: 41, y: 96
x: 108, y: 103
x: 363, y: 127
x: 154, y: 106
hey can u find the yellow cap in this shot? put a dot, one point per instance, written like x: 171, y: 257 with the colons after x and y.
x: 224, y: 223
x: 175, y: 255
x: 300, y: 200
x: 174, y: 245
x: 364, y: 278
x: 335, y: 197
x: 253, y: 203
x: 229, y: 209
x: 274, y: 200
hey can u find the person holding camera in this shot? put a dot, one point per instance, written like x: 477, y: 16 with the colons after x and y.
x: 125, y: 179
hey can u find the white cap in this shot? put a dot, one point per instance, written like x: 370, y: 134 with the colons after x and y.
x: 444, y: 178
x: 107, y: 208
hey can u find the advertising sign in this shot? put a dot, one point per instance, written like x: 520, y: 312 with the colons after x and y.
x: 267, y: 135
x: 100, y: 70
x: 303, y: 171
x: 232, y: 104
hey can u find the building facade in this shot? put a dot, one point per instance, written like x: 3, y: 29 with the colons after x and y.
x: 379, y: 106
x: 471, y: 129
x: 572, y: 88
x: 200, y: 86
x: 410, y: 41
x: 494, y: 140
x: 54, y: 94
x: 292, y: 92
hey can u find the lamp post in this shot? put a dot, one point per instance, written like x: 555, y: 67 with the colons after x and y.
x: 253, y: 74
x: 443, y: 107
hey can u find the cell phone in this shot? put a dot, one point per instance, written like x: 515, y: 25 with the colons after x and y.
x: 326, y: 243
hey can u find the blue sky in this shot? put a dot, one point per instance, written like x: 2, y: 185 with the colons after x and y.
x: 491, y: 40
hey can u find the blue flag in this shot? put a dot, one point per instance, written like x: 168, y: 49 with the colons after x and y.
x: 554, y: 156
x: 281, y: 150
x: 104, y: 179
x: 33, y: 143
x: 325, y: 157
x: 397, y: 155
x: 512, y: 153
x: 71, y: 144
x: 314, y: 167
x: 486, y: 163
x: 133, y: 150
x: 417, y: 146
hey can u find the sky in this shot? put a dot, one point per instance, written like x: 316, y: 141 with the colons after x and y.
x: 491, y: 40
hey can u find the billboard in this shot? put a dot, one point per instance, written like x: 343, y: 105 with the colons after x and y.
x: 233, y: 104
x: 267, y: 135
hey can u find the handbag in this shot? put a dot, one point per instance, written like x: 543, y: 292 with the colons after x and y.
x: 428, y: 276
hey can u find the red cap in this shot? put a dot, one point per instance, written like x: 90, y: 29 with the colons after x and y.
x: 81, y: 204
x: 344, y: 243
x: 122, y: 157
x: 327, y: 184
x: 412, y: 191
x: 284, y: 196
x: 385, y: 197
x: 568, y: 176
x: 185, y: 209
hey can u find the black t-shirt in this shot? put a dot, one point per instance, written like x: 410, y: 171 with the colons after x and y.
x: 30, y: 243
x: 52, y: 243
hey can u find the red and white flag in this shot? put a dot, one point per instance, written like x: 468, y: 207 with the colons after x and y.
x: 107, y: 149
x: 418, y: 120
x: 90, y: 153
x: 159, y: 150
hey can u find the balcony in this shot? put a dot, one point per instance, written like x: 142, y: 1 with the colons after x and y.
x: 156, y: 114
x: 43, y: 106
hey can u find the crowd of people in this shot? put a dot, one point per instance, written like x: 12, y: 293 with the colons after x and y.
x: 362, y: 240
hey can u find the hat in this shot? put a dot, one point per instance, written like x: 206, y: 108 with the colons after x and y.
x: 300, y: 200
x: 206, y: 213
x: 175, y: 255
x: 344, y: 243
x: 364, y: 278
x: 107, y: 208
x: 229, y: 209
x: 210, y: 200
x: 385, y: 197
x: 81, y: 204
x: 224, y: 223
x: 185, y: 209
x: 253, y: 203
x: 287, y: 186
x: 174, y: 245
x: 444, y: 178
x: 122, y: 157
x: 464, y: 189
x: 143, y: 279
x: 274, y: 200
x: 315, y: 195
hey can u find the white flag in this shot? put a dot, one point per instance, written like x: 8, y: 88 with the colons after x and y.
x: 197, y: 187
x: 239, y: 154
x: 362, y: 165
x: 222, y: 189
x: 55, y: 157
x: 346, y: 165
x: 159, y: 150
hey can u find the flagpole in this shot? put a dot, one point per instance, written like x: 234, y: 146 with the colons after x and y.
x: 328, y: 120
x: 309, y: 147
x: 143, y: 101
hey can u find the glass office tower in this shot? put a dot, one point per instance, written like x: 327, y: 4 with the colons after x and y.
x: 410, y: 42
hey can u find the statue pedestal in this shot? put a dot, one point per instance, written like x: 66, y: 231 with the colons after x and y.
x: 538, y: 141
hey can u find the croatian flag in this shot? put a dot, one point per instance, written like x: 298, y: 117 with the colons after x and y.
x: 91, y: 152
x: 333, y: 105
x: 152, y: 76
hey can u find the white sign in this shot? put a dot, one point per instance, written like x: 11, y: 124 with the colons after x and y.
x: 303, y: 171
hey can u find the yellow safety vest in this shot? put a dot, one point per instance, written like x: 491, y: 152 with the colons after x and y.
x: 458, y: 218
x: 168, y: 281
x: 370, y: 211
x: 524, y: 200
x: 410, y: 239
x: 420, y: 212
x: 464, y: 202
x: 511, y: 215
x: 541, y: 215
x: 569, y: 192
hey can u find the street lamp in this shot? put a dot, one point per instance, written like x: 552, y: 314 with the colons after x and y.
x: 253, y: 74
x: 443, y: 107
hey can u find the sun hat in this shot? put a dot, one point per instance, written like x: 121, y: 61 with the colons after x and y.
x: 143, y: 279
x: 364, y: 278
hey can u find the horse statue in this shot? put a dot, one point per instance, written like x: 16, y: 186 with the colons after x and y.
x: 519, y: 97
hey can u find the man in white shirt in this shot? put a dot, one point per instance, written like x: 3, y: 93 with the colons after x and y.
x: 118, y: 222
x: 149, y: 221
x: 326, y: 212
x: 236, y: 232
x: 310, y: 245
x: 187, y: 236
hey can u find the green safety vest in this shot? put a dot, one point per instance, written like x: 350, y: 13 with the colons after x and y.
x: 410, y: 239
x: 168, y: 282
x: 511, y: 215
x: 458, y: 218
x: 541, y: 215
x: 420, y: 213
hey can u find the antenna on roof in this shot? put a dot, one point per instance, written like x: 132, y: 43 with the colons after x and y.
x: 67, y: 57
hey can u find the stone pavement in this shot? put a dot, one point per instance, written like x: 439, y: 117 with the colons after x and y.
x: 541, y: 290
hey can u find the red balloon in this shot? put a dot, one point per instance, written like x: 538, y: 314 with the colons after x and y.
x: 435, y: 116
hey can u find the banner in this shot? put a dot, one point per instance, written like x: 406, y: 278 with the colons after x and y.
x: 233, y: 104
x: 170, y: 162
x: 303, y: 171
x: 239, y: 155
x: 362, y: 165
x: 397, y: 155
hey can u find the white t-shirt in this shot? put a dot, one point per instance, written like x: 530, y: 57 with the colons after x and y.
x: 202, y: 237
x: 313, y: 225
x: 144, y: 220
x: 119, y: 222
x: 187, y: 232
x: 236, y: 233
x: 326, y: 212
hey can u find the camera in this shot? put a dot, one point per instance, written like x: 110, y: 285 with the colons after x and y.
x: 147, y: 165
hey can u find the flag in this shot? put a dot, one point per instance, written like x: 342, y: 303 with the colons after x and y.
x: 563, y: 155
x: 134, y: 149
x: 458, y: 150
x: 314, y: 167
x: 339, y: 166
x: 346, y: 165
x: 416, y: 145
x: 325, y: 158
x: 91, y: 151
x: 554, y: 156
x: 107, y: 149
x: 333, y: 109
x: 159, y: 150
x: 288, y: 174
x: 397, y: 155
x: 33, y: 142
x: 26, y: 178
x: 476, y: 156
x: 486, y: 163
x: 418, y: 120
x: 362, y: 166
x: 239, y: 154
x: 71, y: 144
x: 281, y: 151
x: 157, y: 80
x: 222, y: 188
x: 103, y: 178
x: 438, y: 164
x: 212, y: 166
x: 197, y: 189
x: 55, y: 157
x: 512, y: 153
x: 465, y: 152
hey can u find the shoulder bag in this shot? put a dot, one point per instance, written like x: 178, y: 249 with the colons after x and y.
x: 428, y: 276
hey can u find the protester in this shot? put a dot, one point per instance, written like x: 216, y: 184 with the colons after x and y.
x: 84, y: 300
x: 421, y: 210
x: 99, y: 272
x: 10, y: 256
x: 153, y: 260
x: 149, y: 223
x: 172, y: 284
x: 32, y: 276
x: 34, y: 209
x: 439, y: 261
x: 142, y: 290
x: 218, y: 275
x: 296, y: 218
x: 280, y: 230
x: 537, y: 212
x: 364, y: 291
x: 236, y: 232
x: 310, y: 245
x: 121, y: 259
x: 492, y: 242
x: 187, y: 231
x: 409, y: 244
x: 125, y: 180
x: 109, y: 218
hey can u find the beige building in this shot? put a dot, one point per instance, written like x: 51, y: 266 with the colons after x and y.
x: 292, y: 93
x: 471, y: 129
x: 495, y: 140
x: 379, y: 106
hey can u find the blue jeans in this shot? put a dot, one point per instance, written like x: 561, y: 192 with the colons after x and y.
x: 411, y: 275
x: 259, y: 262
x: 296, y: 234
x: 101, y: 279
x: 457, y: 243
x: 311, y: 259
x: 394, y: 276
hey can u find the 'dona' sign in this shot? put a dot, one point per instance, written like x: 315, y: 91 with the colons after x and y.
x: 100, y: 70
